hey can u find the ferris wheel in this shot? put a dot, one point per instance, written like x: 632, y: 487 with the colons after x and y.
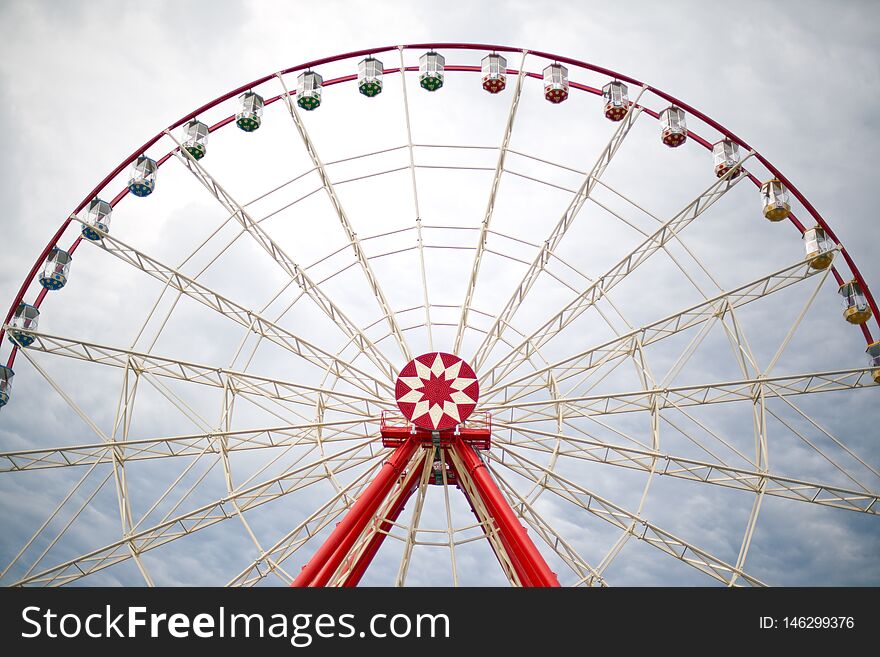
x: 374, y: 309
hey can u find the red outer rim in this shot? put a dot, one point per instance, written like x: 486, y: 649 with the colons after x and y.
x: 445, y: 46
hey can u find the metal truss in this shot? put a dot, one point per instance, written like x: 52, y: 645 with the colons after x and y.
x: 601, y: 286
x: 325, y: 434
x: 242, y: 315
x: 188, y: 446
x: 625, y: 344
x: 555, y: 237
x: 353, y: 240
x: 204, y: 516
x: 618, y: 516
x: 209, y: 375
x: 719, y: 474
x: 694, y: 395
x: 290, y: 267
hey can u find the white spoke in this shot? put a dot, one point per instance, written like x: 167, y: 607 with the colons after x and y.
x: 487, y: 522
x: 353, y: 239
x: 200, y: 518
x: 243, y: 316
x: 593, y: 293
x: 287, y: 264
x: 490, y: 206
x: 586, y: 573
x: 552, y: 242
x: 379, y: 520
x: 415, y: 190
x: 409, y: 541
x: 715, y: 473
x: 202, y: 374
x: 191, y: 445
x: 711, y: 393
x: 633, y: 524
x: 270, y: 561
x: 39, y: 532
x: 623, y: 345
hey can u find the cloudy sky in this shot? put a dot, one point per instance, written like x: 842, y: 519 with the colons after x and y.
x: 83, y: 83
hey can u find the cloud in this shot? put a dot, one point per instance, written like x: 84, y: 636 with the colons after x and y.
x: 82, y: 84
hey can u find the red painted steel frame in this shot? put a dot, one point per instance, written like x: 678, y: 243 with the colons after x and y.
x: 527, y: 561
x: 448, y: 46
x: 517, y: 566
x: 360, y: 567
x: 326, y: 560
x: 517, y: 541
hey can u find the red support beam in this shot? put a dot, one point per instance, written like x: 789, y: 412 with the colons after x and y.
x: 514, y: 562
x: 529, y: 565
x: 360, y: 567
x: 537, y: 571
x: 326, y: 560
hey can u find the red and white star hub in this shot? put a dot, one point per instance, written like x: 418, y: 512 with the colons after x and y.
x: 436, y: 393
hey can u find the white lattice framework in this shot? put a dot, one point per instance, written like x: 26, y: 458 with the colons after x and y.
x: 558, y: 417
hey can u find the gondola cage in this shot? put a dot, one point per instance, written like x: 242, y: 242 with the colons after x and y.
x: 370, y: 72
x: 556, y: 83
x: 494, y: 73
x: 855, y: 306
x: 195, y: 138
x: 142, y: 178
x: 774, y: 198
x: 437, y: 471
x: 431, y: 66
x: 308, y: 90
x: 873, y: 352
x: 725, y: 154
x: 55, y: 270
x: 674, y: 130
x: 25, y: 318
x: 819, y: 247
x: 616, y: 100
x: 6, y: 375
x: 250, y: 116
x: 97, y: 218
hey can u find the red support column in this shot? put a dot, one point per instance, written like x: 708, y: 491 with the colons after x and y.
x: 366, y: 557
x: 326, y: 560
x: 520, y: 545
x: 517, y: 566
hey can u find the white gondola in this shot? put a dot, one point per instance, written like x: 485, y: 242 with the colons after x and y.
x: 725, y: 155
x: 819, y: 247
x: 370, y: 74
x: 6, y: 375
x: 97, y: 218
x: 556, y: 83
x: 250, y: 115
x: 308, y: 90
x: 616, y: 100
x: 873, y: 352
x: 142, y: 178
x: 195, y: 138
x: 855, y: 305
x: 56, y: 269
x: 25, y: 318
x: 774, y: 199
x: 674, y: 130
x: 494, y: 69
x: 431, y: 70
